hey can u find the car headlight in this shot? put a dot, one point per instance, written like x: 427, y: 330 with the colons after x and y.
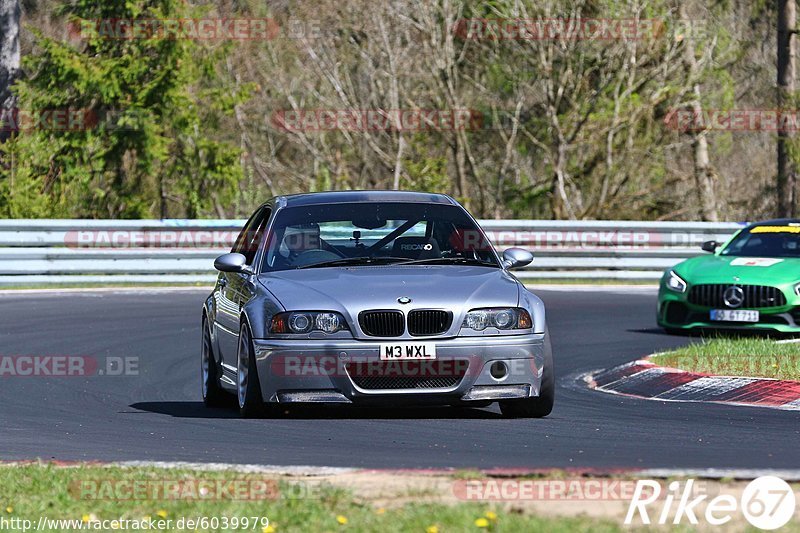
x: 797, y: 289
x: 300, y: 322
x: 500, y: 318
x: 675, y: 282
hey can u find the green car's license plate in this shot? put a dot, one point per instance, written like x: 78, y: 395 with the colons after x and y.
x: 730, y: 315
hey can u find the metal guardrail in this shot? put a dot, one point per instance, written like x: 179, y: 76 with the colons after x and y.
x: 34, y: 252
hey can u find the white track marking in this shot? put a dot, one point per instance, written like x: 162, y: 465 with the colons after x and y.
x: 718, y: 473
x: 714, y: 385
x: 299, y: 470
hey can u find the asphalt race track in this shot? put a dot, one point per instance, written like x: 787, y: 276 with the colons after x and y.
x: 158, y: 414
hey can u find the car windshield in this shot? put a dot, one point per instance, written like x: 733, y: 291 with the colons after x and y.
x: 361, y: 233
x: 766, y: 241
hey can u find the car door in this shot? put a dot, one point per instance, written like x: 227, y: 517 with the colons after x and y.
x: 235, y: 289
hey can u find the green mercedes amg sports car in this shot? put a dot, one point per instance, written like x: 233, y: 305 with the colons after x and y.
x: 750, y: 282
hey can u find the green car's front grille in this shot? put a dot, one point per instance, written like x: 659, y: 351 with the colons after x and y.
x: 755, y: 296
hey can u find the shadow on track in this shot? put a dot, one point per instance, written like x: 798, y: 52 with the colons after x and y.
x: 651, y: 331
x: 185, y: 409
x: 198, y: 410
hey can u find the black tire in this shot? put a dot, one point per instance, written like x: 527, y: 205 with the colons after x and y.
x: 248, y: 387
x: 541, y: 405
x: 212, y: 392
x: 675, y: 331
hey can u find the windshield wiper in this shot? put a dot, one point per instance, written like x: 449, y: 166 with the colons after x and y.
x: 449, y: 260
x: 349, y: 261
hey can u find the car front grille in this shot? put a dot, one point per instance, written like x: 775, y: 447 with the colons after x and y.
x: 382, y: 323
x: 392, y: 323
x: 429, y: 322
x: 755, y: 296
x: 394, y: 375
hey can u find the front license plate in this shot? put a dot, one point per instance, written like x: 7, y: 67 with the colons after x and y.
x: 407, y: 350
x: 728, y: 315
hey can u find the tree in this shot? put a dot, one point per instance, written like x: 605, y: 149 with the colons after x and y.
x: 573, y: 126
x: 147, y: 146
x: 9, y: 56
x: 787, y: 172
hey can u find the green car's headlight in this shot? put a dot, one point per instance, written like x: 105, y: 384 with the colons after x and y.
x: 675, y: 282
x: 797, y: 289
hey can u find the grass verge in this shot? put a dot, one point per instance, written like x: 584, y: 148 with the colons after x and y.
x: 92, y: 494
x: 754, y: 357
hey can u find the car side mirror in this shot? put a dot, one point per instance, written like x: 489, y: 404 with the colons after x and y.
x: 516, y: 258
x: 710, y: 246
x: 231, y: 263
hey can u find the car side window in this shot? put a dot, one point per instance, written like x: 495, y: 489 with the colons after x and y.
x: 248, y: 240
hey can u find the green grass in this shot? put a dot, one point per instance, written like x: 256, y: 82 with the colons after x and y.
x: 756, y: 357
x: 31, y: 491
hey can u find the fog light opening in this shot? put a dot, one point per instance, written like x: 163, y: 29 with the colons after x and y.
x: 498, y: 370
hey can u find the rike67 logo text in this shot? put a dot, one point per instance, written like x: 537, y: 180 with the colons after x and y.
x: 767, y: 503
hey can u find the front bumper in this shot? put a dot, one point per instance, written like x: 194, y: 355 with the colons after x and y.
x: 675, y: 312
x: 350, y: 371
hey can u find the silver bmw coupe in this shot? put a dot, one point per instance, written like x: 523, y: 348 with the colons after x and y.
x: 370, y: 298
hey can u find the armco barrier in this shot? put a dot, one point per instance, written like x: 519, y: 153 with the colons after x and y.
x: 34, y: 252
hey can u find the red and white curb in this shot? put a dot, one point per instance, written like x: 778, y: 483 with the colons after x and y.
x: 643, y: 379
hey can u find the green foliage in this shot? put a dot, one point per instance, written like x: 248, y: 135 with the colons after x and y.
x: 149, y: 147
x: 590, y: 141
x: 424, y: 172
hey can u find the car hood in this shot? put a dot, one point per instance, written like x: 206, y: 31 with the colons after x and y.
x: 749, y: 270
x: 353, y: 289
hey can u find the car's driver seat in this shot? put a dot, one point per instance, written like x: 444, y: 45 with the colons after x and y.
x: 301, y: 239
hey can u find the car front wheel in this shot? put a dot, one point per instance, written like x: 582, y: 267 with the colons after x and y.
x: 213, y: 395
x: 248, y: 388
